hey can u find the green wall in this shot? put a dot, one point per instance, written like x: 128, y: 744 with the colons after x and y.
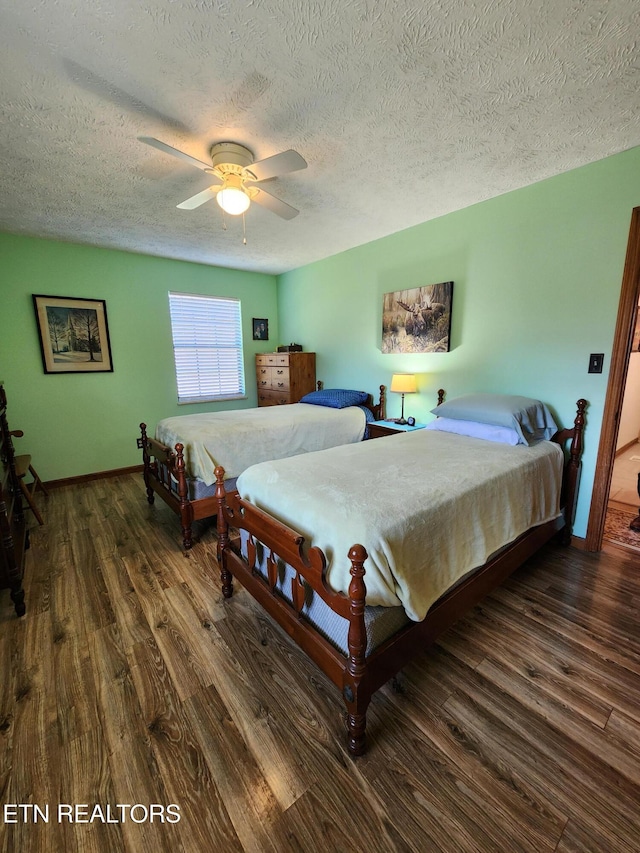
x: 85, y: 423
x: 537, y: 275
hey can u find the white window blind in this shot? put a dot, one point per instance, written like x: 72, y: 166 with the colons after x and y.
x: 207, y: 347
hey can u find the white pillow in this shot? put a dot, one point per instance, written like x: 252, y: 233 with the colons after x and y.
x: 475, y: 429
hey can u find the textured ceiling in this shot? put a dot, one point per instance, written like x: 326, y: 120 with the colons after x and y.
x: 403, y: 110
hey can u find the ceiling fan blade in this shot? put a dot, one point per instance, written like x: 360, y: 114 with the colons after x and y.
x: 279, y: 164
x: 275, y: 205
x: 200, y: 198
x: 162, y: 146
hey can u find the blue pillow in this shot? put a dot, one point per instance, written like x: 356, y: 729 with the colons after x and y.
x: 335, y: 398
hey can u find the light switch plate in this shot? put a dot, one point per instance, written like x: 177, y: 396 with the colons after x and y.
x: 596, y: 360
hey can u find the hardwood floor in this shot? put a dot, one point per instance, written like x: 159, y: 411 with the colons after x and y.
x: 131, y: 682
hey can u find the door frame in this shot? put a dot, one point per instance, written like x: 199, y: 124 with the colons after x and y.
x: 620, y: 353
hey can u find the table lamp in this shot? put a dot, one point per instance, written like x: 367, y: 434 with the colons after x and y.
x: 403, y: 383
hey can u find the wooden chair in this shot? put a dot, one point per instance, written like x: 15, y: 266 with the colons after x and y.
x: 24, y: 466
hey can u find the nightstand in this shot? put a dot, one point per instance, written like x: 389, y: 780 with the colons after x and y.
x: 378, y: 429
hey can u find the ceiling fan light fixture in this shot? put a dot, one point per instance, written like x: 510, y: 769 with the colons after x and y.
x: 236, y: 177
x: 233, y: 198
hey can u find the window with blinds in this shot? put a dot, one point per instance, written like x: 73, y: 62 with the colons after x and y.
x: 207, y: 347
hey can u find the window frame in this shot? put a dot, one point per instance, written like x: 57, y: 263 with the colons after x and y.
x: 204, y: 355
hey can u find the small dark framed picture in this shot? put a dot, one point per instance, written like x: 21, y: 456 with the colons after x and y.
x: 74, y: 335
x: 260, y: 329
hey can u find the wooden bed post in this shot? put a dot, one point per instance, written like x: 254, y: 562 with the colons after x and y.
x: 572, y: 472
x: 222, y: 527
x: 382, y: 403
x: 186, y: 513
x: 142, y: 443
x: 356, y: 695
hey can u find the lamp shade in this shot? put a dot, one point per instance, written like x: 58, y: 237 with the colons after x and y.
x: 404, y: 383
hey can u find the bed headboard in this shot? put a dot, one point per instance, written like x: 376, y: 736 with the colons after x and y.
x: 378, y: 409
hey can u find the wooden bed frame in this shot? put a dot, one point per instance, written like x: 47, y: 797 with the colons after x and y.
x: 357, y: 674
x: 162, y: 462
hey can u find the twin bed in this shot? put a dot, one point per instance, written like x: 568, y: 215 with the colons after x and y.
x: 366, y: 552
x: 179, y: 462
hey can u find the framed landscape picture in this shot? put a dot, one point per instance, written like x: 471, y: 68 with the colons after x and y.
x: 417, y: 319
x: 74, y: 335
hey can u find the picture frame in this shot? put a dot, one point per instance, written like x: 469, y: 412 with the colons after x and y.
x: 74, y: 334
x: 418, y: 319
x: 260, y: 329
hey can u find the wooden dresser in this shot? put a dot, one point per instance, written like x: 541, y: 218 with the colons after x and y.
x: 14, y: 536
x: 284, y: 377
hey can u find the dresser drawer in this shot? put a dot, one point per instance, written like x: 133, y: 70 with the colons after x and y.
x: 263, y: 375
x: 276, y: 378
x: 270, y: 359
x: 279, y: 377
x: 272, y: 398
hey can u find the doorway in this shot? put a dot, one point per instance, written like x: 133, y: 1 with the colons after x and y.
x: 620, y: 355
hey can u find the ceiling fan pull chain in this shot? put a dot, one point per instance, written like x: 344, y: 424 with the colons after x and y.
x: 224, y: 221
x: 244, y: 230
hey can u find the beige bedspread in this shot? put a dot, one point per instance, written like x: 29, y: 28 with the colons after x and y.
x: 242, y: 437
x: 427, y: 506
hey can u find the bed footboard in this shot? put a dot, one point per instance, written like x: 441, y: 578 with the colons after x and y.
x: 165, y: 475
x: 349, y: 673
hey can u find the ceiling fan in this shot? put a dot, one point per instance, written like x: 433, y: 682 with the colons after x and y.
x: 235, y: 177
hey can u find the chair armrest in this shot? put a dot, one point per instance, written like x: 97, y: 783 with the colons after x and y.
x: 17, y: 433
